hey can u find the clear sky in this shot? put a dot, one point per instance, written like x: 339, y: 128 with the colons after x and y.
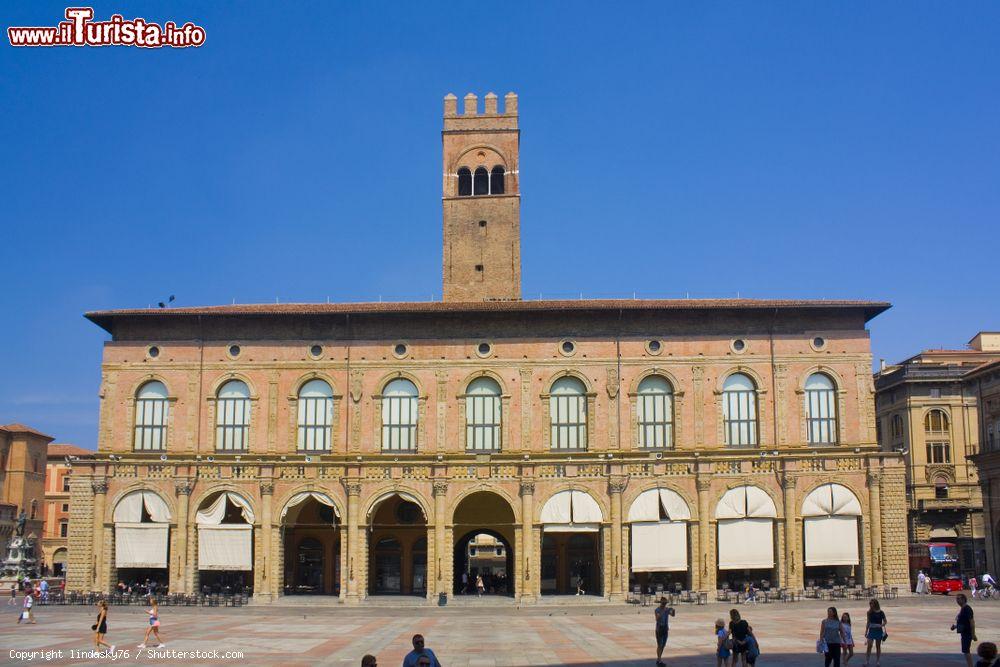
x: 766, y: 149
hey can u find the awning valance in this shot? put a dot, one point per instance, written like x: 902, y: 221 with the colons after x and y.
x: 216, y: 512
x: 831, y: 500
x: 571, y: 511
x: 647, y: 506
x: 745, y: 502
x: 300, y: 498
x: 129, y: 508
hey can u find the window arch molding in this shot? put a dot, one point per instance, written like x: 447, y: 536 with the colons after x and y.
x: 221, y: 380
x: 590, y: 398
x: 633, y: 400
x: 133, y: 397
x: 937, y: 408
x: 293, y: 413
x: 759, y: 391
x: 505, y: 413
x: 377, y: 401
x: 840, y: 391
x: 467, y: 158
x: 109, y: 507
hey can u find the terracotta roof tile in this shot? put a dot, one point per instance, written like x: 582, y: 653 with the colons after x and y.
x: 21, y: 428
x: 63, y: 449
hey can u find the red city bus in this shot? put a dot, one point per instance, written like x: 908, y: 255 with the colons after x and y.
x: 939, y: 561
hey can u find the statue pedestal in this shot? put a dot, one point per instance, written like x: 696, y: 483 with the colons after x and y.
x: 21, y: 560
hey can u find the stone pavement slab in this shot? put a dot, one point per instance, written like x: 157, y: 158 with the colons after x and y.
x: 613, y: 635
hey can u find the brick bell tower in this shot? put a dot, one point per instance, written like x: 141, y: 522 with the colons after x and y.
x: 481, y: 200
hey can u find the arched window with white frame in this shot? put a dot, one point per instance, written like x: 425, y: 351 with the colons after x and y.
x: 483, y: 415
x: 151, y: 406
x: 655, y: 412
x: 399, y: 416
x: 568, y: 414
x: 232, y: 417
x: 739, y: 411
x: 821, y: 410
x: 315, y: 407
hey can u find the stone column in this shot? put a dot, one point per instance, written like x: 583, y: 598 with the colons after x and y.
x: 792, y: 572
x: 100, y: 489
x: 439, y: 582
x: 705, y: 566
x: 528, y: 586
x: 875, y: 511
x: 179, y: 580
x: 354, y: 559
x: 619, y: 578
x: 270, y: 580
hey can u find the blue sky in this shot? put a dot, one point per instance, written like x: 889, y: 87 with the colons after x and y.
x: 769, y: 149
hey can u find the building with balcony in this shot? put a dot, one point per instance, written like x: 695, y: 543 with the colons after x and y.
x: 360, y: 449
x: 928, y: 409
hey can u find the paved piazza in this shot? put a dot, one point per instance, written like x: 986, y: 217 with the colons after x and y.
x: 488, y: 634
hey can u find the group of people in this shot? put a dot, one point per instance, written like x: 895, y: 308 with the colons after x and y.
x: 988, y: 585
x: 836, y: 636
x: 100, y: 627
x: 420, y: 656
x: 149, y: 587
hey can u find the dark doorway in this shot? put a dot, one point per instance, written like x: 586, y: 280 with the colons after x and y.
x: 571, y: 564
x: 484, y: 553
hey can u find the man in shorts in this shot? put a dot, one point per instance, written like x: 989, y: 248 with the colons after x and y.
x: 663, y: 614
x: 965, y: 626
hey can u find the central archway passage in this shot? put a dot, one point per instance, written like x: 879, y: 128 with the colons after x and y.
x: 483, y: 526
x: 571, y: 545
x: 310, y: 529
x: 397, y: 563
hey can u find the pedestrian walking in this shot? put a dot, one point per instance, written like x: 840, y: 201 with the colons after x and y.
x: 369, y: 661
x: 154, y: 625
x: 13, y: 596
x: 662, y: 614
x: 848, y: 646
x: 420, y: 655
x: 465, y: 582
x: 922, y: 587
x: 100, y: 628
x: 480, y: 586
x: 723, y: 644
x: 973, y: 585
x: 831, y: 637
x: 27, y: 614
x: 875, y: 632
x: 739, y: 630
x: 44, y: 587
x: 987, y: 652
x: 965, y: 626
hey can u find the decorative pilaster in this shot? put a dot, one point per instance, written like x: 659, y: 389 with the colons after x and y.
x: 179, y: 579
x: 270, y: 569
x: 440, y: 570
x: 614, y: 416
x: 525, y: 409
x: 792, y: 571
x: 354, y: 558
x: 529, y: 583
x: 355, y: 397
x: 442, y: 413
x: 875, y: 511
x: 705, y: 567
x: 100, y: 489
x: 619, y: 572
x: 698, y: 380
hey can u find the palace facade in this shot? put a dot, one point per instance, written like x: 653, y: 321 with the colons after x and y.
x: 359, y: 449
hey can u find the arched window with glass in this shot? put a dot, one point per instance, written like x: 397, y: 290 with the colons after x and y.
x: 496, y: 180
x: 937, y: 435
x: 821, y: 410
x: 399, y: 416
x: 739, y: 411
x: 482, y: 415
x: 655, y: 412
x: 315, y: 422
x: 151, y: 406
x: 568, y: 414
x: 896, y: 427
x: 481, y: 181
x: 232, y: 417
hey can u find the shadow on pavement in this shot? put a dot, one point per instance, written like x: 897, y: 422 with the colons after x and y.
x: 765, y: 660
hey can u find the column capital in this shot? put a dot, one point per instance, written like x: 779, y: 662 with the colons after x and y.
x: 616, y: 485
x: 184, y: 488
x: 788, y: 483
x: 703, y: 483
x: 353, y: 488
x: 527, y: 488
x: 874, y: 478
x: 440, y: 488
x: 99, y: 486
x: 267, y: 488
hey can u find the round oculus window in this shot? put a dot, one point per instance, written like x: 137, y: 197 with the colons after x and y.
x: 153, y: 352
x: 819, y: 342
x: 234, y: 350
x: 739, y: 345
x: 654, y: 347
x: 316, y: 350
x: 567, y: 347
x: 484, y: 349
x: 400, y: 350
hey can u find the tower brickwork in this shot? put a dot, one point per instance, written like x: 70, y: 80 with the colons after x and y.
x: 481, y: 200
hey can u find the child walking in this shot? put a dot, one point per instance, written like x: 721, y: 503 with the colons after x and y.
x: 848, y: 645
x: 722, y: 651
x: 154, y: 625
